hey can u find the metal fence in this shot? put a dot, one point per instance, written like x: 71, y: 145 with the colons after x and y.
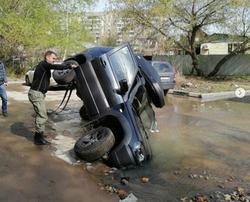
x: 238, y: 65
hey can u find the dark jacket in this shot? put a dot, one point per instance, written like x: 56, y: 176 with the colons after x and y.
x: 42, y: 75
x: 3, y: 77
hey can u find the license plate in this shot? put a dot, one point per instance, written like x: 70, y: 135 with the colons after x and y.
x: 165, y: 78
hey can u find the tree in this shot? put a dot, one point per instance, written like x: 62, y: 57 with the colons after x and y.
x: 238, y: 24
x: 31, y: 25
x: 73, y: 33
x: 176, y: 17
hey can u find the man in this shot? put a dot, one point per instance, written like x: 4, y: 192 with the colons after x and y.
x: 3, y: 84
x: 39, y: 88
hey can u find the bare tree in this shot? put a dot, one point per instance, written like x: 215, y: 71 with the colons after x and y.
x: 177, y: 17
x: 238, y: 24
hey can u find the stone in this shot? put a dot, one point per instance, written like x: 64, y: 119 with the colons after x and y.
x: 130, y: 198
x: 122, y: 193
x: 221, y: 186
x: 241, y: 191
x: 145, y: 179
x: 201, y: 199
x: 227, y: 197
x: 124, y: 180
x: 90, y: 168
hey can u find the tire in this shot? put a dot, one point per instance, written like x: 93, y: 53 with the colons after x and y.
x: 166, y: 92
x: 63, y: 76
x: 83, y: 113
x: 27, y: 81
x: 94, y: 144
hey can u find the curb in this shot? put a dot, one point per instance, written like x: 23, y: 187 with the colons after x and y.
x: 207, y: 96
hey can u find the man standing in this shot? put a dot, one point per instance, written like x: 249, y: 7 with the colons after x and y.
x: 39, y: 88
x: 3, y: 84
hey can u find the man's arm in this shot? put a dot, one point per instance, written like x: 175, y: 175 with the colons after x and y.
x: 57, y: 66
x: 65, y: 65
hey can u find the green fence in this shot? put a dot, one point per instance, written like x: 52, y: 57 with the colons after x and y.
x: 236, y: 66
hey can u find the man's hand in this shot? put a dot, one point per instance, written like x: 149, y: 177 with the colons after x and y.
x: 72, y: 63
x: 6, y: 84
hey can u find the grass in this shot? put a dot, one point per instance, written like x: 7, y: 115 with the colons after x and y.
x: 202, y: 85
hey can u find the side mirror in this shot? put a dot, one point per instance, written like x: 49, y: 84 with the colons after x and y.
x: 123, y: 87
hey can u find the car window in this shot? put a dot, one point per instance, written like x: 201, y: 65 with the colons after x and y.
x: 123, y: 65
x: 162, y: 67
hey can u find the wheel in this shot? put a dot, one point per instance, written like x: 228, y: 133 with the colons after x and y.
x: 166, y: 92
x: 63, y: 76
x: 83, y: 113
x: 27, y: 80
x: 94, y: 144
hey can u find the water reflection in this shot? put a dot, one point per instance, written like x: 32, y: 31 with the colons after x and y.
x: 196, y: 137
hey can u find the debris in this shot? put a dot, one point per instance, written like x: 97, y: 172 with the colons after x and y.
x: 122, y: 194
x: 201, y: 198
x: 186, y: 85
x: 177, y: 172
x: 124, y: 180
x: 184, y: 199
x: 227, y: 197
x: 130, y: 198
x: 145, y: 179
x: 221, y: 186
x: 90, y: 168
x: 206, y: 178
x: 241, y: 191
x: 111, y: 189
x: 193, y: 176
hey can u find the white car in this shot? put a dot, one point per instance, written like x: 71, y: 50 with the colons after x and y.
x: 29, y: 78
x: 60, y: 77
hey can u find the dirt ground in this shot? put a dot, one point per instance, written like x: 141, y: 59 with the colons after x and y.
x: 201, y: 85
x: 31, y: 173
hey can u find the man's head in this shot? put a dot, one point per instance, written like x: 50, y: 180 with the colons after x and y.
x: 50, y: 56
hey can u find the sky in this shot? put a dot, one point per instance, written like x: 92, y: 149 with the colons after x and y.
x: 100, y: 6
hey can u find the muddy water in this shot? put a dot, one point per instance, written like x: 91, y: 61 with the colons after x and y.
x: 201, y: 148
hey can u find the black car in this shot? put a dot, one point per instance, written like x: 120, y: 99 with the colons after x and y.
x: 117, y: 89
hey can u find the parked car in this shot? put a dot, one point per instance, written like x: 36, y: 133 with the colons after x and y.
x: 167, y: 74
x: 59, y: 77
x: 117, y: 89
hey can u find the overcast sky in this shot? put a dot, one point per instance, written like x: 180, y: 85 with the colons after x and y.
x: 100, y: 6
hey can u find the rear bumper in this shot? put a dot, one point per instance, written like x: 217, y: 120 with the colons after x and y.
x: 167, y: 86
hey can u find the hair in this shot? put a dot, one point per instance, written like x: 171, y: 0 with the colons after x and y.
x: 49, y: 52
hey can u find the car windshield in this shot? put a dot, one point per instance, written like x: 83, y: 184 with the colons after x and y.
x: 123, y: 65
x: 161, y: 67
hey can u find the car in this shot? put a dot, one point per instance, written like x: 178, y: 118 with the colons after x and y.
x: 118, y: 89
x: 167, y: 74
x: 30, y: 74
x: 59, y: 78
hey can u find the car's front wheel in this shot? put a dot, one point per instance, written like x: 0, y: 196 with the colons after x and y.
x: 94, y: 144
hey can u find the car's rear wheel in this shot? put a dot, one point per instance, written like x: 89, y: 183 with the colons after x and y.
x: 94, y: 144
x: 27, y: 81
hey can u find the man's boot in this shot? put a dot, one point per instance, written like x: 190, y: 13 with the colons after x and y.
x: 39, y: 139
